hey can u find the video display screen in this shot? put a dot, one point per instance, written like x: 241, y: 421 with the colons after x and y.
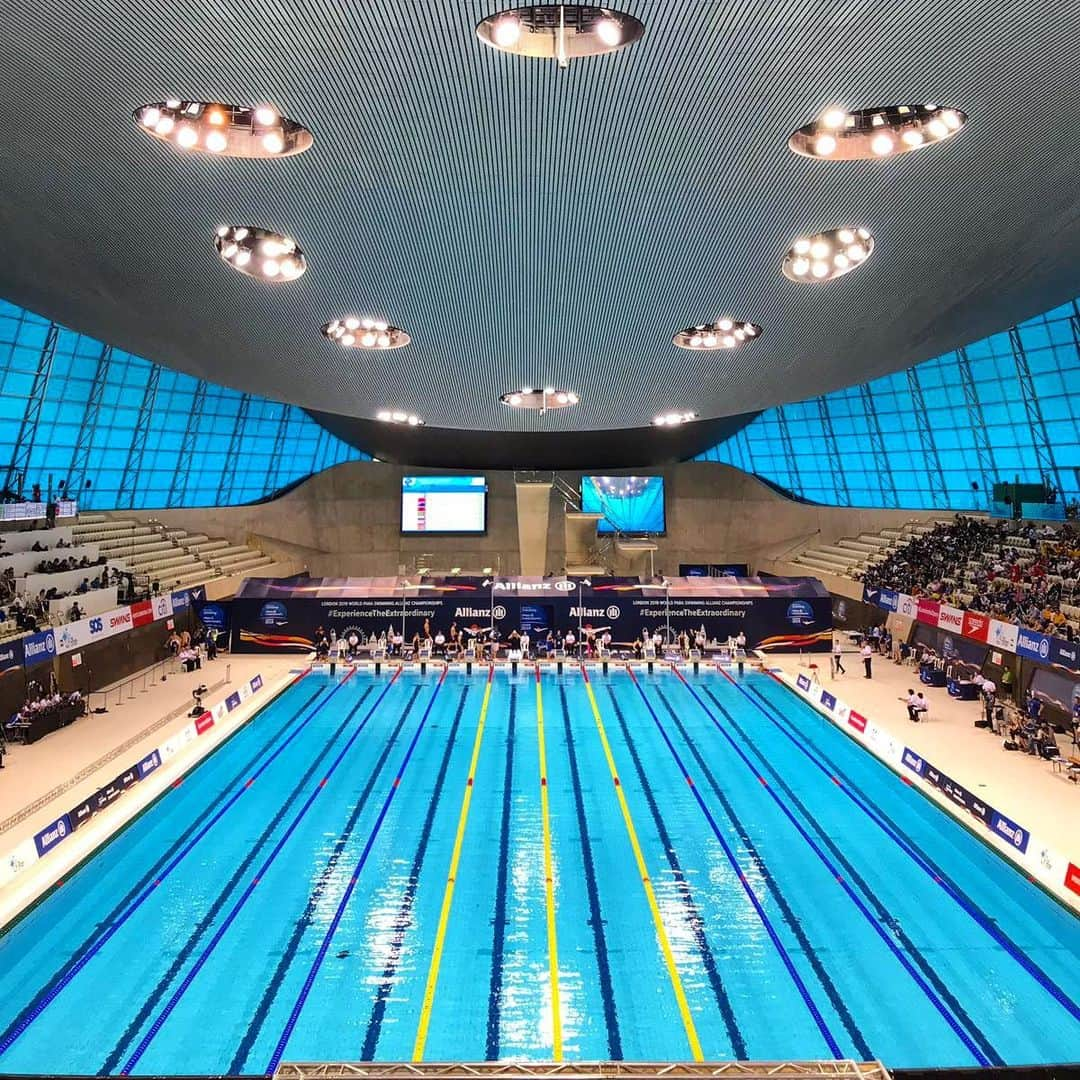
x: 630, y: 504
x: 443, y: 504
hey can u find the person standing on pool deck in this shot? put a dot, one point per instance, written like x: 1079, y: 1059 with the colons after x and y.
x: 867, y: 658
x: 838, y: 667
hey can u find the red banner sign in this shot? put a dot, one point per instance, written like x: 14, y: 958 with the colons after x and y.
x: 1072, y: 878
x: 857, y: 720
x: 976, y: 626
x: 204, y: 723
x: 142, y: 613
x: 929, y: 610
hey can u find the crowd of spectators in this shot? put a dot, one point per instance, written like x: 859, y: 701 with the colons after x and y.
x: 1014, y: 571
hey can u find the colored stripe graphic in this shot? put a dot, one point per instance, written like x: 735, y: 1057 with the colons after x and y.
x: 235, y: 910
x: 766, y: 922
x: 937, y: 873
x: 549, y: 878
x: 451, y: 879
x: 320, y: 956
x: 54, y: 991
x: 643, y: 872
x: 880, y: 930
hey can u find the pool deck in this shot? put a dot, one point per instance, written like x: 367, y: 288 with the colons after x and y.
x: 1027, y: 789
x: 40, y: 782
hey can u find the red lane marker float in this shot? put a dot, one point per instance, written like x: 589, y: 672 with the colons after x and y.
x: 178, y: 781
x: 468, y: 783
x: 250, y: 782
x: 543, y: 781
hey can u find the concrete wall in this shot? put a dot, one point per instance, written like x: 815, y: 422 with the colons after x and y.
x: 345, y: 521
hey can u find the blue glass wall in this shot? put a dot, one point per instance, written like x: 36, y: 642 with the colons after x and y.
x: 1006, y: 406
x: 145, y: 436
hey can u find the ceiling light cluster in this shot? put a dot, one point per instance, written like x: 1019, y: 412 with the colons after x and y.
x: 211, y: 127
x: 674, y: 419
x: 354, y: 333
x: 622, y: 486
x: 722, y: 334
x: 875, y: 133
x: 395, y: 416
x: 530, y: 398
x: 827, y: 255
x: 561, y: 32
x: 260, y: 253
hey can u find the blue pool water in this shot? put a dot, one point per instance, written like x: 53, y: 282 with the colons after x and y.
x: 729, y: 875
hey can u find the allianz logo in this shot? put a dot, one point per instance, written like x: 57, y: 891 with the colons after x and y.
x: 54, y: 834
x: 1039, y: 644
x: 1013, y: 833
x: 36, y: 648
x: 533, y: 586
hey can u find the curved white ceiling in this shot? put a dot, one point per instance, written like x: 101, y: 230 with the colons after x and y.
x: 528, y: 225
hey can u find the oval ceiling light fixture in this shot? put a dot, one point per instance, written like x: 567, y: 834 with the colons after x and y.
x: 826, y: 255
x: 542, y: 400
x: 356, y: 333
x: 396, y: 416
x: 211, y: 127
x: 674, y: 419
x: 838, y: 135
x: 260, y: 253
x: 561, y: 32
x: 722, y: 334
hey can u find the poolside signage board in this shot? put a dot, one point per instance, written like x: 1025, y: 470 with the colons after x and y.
x: 907, y: 606
x: 804, y: 682
x: 204, y: 723
x: 1002, y: 635
x: 54, y: 833
x: 1072, y: 878
x: 828, y: 700
x: 976, y: 626
x: 1031, y: 645
x: 857, y: 720
x: 1009, y: 831
x: 913, y: 761
x: 39, y: 648
x: 142, y: 613
x: 951, y: 618
x: 149, y: 764
x: 1065, y: 654
x: 928, y: 611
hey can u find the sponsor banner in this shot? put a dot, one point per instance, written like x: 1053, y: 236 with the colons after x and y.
x: 163, y: 607
x: 951, y: 618
x: 17, y: 860
x: 128, y: 778
x: 870, y: 595
x: 1002, y: 635
x: 913, y: 761
x: 204, y: 723
x: 219, y: 711
x: 81, y: 814
x: 1065, y: 654
x: 142, y: 613
x: 245, y: 692
x: 1072, y: 877
x: 116, y: 621
x: 907, y: 606
x: 149, y: 764
x: 11, y: 655
x: 1009, y: 831
x: 53, y: 833
x: 804, y: 682
x: 232, y: 702
x: 1031, y: 645
x: 828, y: 700
x: 983, y: 812
x: 214, y: 617
x: 256, y: 683
x: 976, y: 626
x: 928, y: 611
x: 857, y: 721
x: 889, y: 599
x: 39, y: 648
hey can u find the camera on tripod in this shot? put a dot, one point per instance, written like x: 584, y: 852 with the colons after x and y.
x: 197, y: 696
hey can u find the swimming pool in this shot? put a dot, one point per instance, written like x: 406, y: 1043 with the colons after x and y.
x: 482, y: 867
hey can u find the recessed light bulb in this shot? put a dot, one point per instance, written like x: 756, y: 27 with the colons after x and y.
x: 912, y: 137
x: 561, y: 399
x: 659, y: 421
x: 270, y: 267
x: 709, y: 341
x: 400, y: 417
x: 352, y: 323
x: 241, y: 233
x: 290, y: 268
x: 271, y: 248
x: 242, y: 258
x: 801, y: 246
x: 834, y: 118
x: 952, y: 119
x: 229, y: 250
x: 609, y: 32
x: 216, y: 117
x: 526, y: 389
x: 223, y: 230
x: 265, y: 116
x: 384, y: 416
x: 882, y: 145
x: 856, y: 253
x: 273, y: 142
x: 740, y: 334
x: 164, y: 125
x: 750, y: 330
x: 413, y: 420
x: 820, y: 250
x: 824, y: 145
x: 368, y: 340
x: 150, y: 116
x: 727, y: 341
x: 724, y: 324
x: 695, y: 341
x: 347, y: 339
x: 384, y: 341
x: 216, y: 142
x: 819, y: 269
x: 800, y: 267
x: 515, y: 399
x: 841, y: 261
x: 573, y: 398
x: 507, y: 31
x: 845, y: 236
x: 937, y: 129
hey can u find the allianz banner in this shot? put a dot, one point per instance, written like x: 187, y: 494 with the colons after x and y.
x: 39, y: 648
x: 1065, y: 654
x: 1033, y: 646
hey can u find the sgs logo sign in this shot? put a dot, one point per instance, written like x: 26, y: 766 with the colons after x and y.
x: 96, y: 626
